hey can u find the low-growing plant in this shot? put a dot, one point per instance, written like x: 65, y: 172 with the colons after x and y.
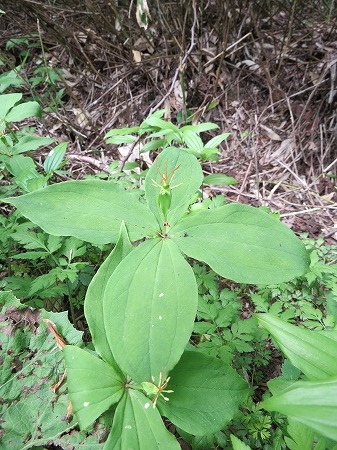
x: 220, y: 331
x: 33, y: 402
x: 310, y: 402
x: 155, y: 133
x: 141, y: 304
x: 46, y: 271
x: 14, y: 144
x: 45, y: 82
x: 310, y: 299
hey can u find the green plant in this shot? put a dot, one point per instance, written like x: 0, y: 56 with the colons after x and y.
x: 43, y: 82
x: 220, y: 331
x: 162, y: 134
x: 312, y: 402
x: 33, y: 403
x: 13, y: 145
x: 141, y: 304
x: 310, y: 299
x: 47, y: 268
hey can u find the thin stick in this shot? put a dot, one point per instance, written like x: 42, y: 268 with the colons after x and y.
x: 305, y: 211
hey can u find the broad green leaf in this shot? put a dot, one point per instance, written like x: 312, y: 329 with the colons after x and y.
x: 184, y: 182
x: 138, y: 426
x: 93, y: 305
x: 206, y: 394
x: 243, y: 244
x: 31, y: 413
x: 150, y: 304
x: 89, y: 210
x: 309, y: 351
x: 33, y: 422
x: 55, y: 157
x: 93, y: 385
x: 7, y: 101
x: 219, y: 179
x: 237, y: 444
x: 23, y: 111
x: 28, y: 143
x: 313, y: 403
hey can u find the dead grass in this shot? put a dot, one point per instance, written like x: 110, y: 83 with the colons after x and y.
x: 269, y: 66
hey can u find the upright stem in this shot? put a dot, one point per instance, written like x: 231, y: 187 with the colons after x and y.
x: 71, y: 306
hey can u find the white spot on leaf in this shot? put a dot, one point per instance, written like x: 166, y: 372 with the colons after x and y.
x: 85, y: 404
x: 160, y: 317
x: 128, y: 427
x: 147, y: 405
x: 161, y: 294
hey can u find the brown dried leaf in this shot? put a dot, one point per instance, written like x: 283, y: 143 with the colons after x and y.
x: 60, y: 342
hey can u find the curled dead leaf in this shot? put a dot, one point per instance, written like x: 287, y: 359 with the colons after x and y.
x: 60, y: 342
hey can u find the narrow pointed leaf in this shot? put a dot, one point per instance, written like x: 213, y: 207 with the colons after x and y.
x: 152, y: 145
x: 311, y: 352
x: 217, y: 140
x: 219, y: 179
x: 89, y: 210
x: 243, y: 244
x: 93, y: 305
x: 206, y: 394
x: 200, y: 128
x: 312, y: 403
x: 150, y: 305
x: 184, y: 182
x: 160, y: 123
x: 55, y: 157
x: 121, y: 131
x: 93, y: 385
x: 124, y: 139
x: 138, y: 426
